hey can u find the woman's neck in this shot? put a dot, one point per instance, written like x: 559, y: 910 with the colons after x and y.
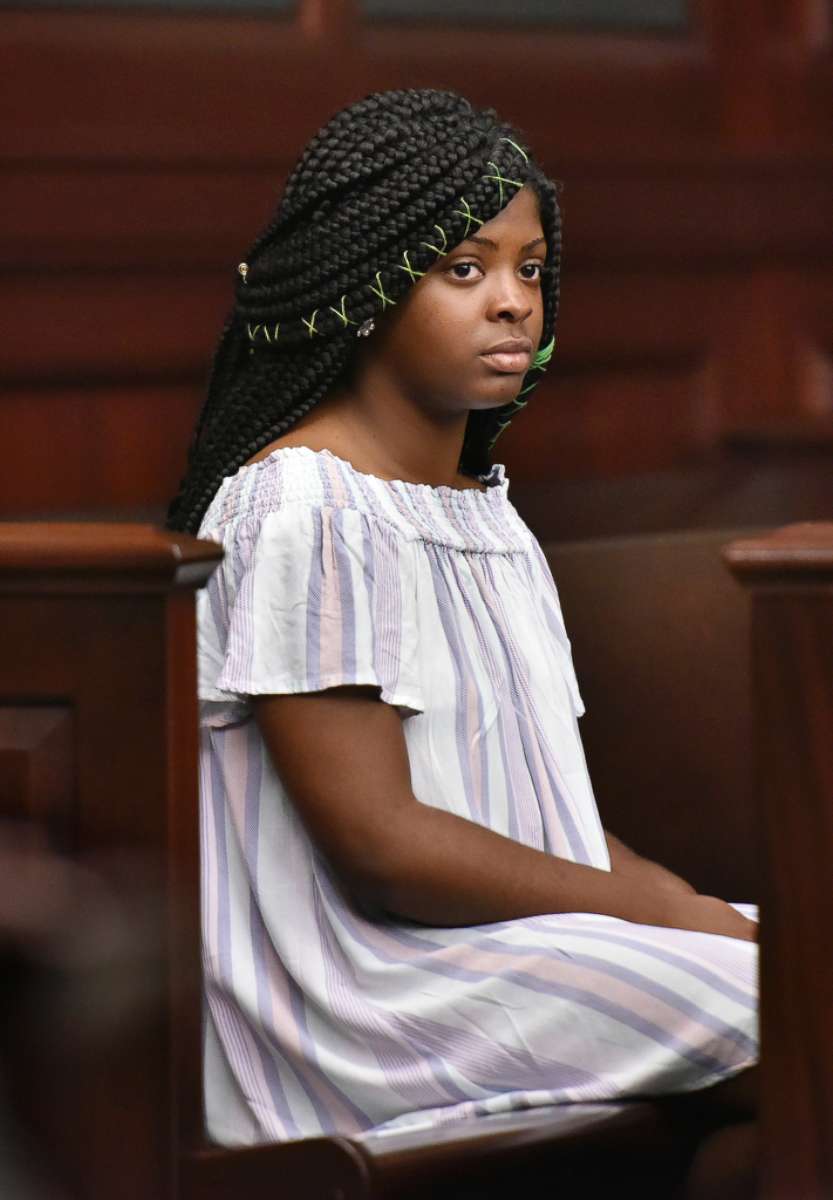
x: 388, y: 450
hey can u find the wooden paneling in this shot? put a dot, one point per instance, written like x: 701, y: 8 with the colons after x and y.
x: 147, y: 149
x: 790, y: 577
x: 104, y: 217
x: 112, y: 326
x: 659, y: 634
x: 103, y: 617
x: 37, y: 775
x: 79, y: 449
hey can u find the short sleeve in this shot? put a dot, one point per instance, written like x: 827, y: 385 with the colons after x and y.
x: 308, y: 598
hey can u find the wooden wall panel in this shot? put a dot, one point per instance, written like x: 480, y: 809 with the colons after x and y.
x: 117, y: 325
x: 37, y: 768
x: 107, y: 215
x: 146, y: 149
x: 83, y: 450
x: 610, y: 422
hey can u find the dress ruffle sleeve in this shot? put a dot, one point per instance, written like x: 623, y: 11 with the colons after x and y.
x: 308, y: 598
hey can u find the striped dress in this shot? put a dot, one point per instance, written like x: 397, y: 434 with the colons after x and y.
x: 319, y: 1020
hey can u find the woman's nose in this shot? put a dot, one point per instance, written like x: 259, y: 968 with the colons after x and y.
x: 511, y: 299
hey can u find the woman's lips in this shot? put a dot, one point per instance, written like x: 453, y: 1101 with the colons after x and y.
x: 511, y: 361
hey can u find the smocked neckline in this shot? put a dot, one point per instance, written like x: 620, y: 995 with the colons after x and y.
x: 495, y: 479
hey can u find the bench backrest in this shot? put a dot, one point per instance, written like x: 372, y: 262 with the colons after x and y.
x: 661, y: 644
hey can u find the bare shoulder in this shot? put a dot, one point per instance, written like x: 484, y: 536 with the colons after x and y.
x: 314, y: 436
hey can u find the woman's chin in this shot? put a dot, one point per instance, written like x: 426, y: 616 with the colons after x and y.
x: 497, y: 399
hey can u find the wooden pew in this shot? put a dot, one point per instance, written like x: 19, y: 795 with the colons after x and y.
x: 98, y: 740
x: 768, y: 473
x: 790, y: 577
x: 659, y: 631
x: 732, y: 491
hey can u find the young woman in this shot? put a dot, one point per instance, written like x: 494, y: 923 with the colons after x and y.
x: 412, y: 911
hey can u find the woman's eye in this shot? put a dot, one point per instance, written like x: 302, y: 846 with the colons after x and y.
x: 464, y: 265
x: 459, y: 265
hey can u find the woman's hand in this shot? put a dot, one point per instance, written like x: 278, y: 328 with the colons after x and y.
x: 708, y: 914
x: 686, y: 908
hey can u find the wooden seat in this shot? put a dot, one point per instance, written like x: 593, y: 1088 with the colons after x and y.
x: 98, y: 739
x: 589, y: 1146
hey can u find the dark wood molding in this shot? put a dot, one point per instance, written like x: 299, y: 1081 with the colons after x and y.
x: 100, y: 620
x: 789, y: 575
x: 84, y: 557
x: 795, y: 556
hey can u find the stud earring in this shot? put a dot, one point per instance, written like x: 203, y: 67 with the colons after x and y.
x: 366, y: 328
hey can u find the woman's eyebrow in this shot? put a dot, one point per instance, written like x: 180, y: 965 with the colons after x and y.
x: 484, y: 241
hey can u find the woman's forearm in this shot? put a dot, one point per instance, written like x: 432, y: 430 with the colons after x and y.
x: 441, y: 869
x: 620, y: 854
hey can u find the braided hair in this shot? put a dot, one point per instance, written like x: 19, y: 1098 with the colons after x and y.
x: 390, y: 183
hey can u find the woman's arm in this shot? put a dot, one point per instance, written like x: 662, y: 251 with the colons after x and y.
x: 343, y: 758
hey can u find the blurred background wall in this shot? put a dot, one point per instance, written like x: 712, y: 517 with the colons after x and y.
x: 143, y: 147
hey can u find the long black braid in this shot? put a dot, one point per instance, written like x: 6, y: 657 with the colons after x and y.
x: 380, y: 191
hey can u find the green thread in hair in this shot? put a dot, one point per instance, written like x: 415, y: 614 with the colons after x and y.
x: 437, y: 251
x: 469, y: 215
x: 500, y: 428
x: 380, y: 292
x: 310, y: 324
x: 501, y: 180
x: 543, y: 356
x: 410, y: 270
x: 341, y: 314
x: 523, y: 153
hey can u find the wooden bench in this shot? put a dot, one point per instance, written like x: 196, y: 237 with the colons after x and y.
x: 98, y: 740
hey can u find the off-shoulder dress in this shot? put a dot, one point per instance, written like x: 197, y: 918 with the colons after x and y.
x: 319, y: 1020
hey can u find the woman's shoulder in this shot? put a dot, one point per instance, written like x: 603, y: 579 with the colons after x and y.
x: 294, y: 438
x: 285, y: 474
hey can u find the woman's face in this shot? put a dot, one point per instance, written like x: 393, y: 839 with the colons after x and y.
x: 486, y: 290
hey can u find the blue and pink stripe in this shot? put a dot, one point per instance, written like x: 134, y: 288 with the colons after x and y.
x: 319, y: 1020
